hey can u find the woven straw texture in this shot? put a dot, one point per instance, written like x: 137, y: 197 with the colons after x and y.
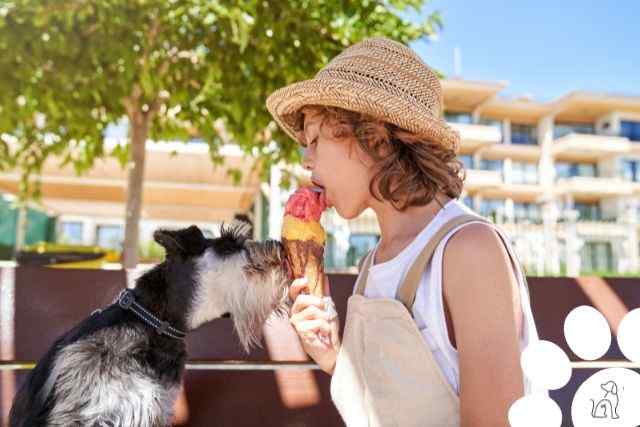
x: 376, y: 76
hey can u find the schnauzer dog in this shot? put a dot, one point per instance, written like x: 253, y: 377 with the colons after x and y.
x: 123, y: 365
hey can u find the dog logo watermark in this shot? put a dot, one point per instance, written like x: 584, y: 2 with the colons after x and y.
x: 607, y: 407
x: 608, y: 398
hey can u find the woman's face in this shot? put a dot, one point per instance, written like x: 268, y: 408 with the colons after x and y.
x: 338, y: 165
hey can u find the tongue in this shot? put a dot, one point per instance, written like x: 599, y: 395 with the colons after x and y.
x: 306, y: 204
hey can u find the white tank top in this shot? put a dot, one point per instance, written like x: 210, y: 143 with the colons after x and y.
x: 428, y: 309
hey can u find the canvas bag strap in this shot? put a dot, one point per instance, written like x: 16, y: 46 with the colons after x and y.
x: 407, y: 290
x: 363, y: 270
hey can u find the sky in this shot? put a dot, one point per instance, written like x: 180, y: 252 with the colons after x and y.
x: 542, y: 48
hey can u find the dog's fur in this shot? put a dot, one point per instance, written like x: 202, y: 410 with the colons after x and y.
x: 114, y: 370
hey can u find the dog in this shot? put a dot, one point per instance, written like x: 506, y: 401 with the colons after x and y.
x: 123, y: 365
x: 609, y: 401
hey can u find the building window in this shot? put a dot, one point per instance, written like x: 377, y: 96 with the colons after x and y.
x: 524, y: 173
x: 359, y: 245
x: 630, y: 130
x: 588, y: 211
x: 562, y: 129
x: 467, y: 161
x: 330, y: 252
x: 492, y: 208
x: 490, y: 122
x: 631, y: 170
x: 523, y: 134
x: 596, y: 256
x: 567, y: 169
x: 110, y: 236
x: 71, y: 232
x: 458, y: 117
x: 526, y: 211
x: 491, y: 165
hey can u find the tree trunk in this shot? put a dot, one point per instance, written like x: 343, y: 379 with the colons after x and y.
x: 21, y: 227
x: 139, y: 131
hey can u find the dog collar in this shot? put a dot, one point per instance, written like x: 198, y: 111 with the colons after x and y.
x: 127, y: 301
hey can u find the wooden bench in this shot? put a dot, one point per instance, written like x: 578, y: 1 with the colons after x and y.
x: 273, y: 386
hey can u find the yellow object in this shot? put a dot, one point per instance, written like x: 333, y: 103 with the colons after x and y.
x: 296, y: 229
x: 109, y: 255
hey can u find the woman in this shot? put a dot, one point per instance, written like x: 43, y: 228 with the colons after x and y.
x: 440, y: 311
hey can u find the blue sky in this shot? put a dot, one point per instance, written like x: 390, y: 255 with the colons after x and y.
x: 543, y: 48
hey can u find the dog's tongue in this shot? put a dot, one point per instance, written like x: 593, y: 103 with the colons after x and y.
x: 305, y: 204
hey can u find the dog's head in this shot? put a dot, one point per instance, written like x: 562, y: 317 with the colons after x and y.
x: 228, y: 275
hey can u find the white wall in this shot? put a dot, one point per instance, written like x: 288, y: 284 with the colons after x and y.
x: 147, y: 227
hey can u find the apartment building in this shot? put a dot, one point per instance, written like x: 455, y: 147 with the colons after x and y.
x: 182, y: 187
x: 561, y: 177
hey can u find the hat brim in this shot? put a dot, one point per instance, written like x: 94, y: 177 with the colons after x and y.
x: 379, y: 103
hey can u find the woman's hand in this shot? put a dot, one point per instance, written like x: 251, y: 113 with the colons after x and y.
x: 316, y: 322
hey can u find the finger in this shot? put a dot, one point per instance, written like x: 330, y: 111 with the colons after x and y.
x: 314, y: 326
x: 297, y: 286
x: 329, y: 308
x: 327, y: 287
x: 303, y: 301
x: 309, y: 313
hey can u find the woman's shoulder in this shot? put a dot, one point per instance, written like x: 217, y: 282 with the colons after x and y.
x: 477, y: 262
x: 473, y: 243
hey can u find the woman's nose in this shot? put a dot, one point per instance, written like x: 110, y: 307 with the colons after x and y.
x: 307, y: 163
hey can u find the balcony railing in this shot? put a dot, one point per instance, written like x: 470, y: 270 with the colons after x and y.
x: 590, y: 147
x: 476, y: 134
x: 597, y: 186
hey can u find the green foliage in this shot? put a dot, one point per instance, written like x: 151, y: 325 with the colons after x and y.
x: 70, y: 67
x: 150, y: 252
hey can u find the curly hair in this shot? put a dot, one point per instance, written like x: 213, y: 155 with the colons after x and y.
x: 410, y: 169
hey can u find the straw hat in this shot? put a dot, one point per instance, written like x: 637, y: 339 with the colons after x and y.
x: 376, y: 76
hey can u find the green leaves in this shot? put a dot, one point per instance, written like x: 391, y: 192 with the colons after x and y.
x: 180, y: 64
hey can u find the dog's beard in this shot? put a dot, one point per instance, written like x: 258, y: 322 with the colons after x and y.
x: 265, y: 292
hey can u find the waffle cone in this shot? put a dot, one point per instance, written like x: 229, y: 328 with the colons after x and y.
x: 306, y: 259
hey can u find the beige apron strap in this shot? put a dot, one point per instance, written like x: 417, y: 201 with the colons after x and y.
x: 407, y: 291
x: 363, y: 270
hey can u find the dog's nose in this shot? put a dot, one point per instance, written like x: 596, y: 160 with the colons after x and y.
x: 226, y: 315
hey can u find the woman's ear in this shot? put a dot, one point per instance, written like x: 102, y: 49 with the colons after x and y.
x: 185, y: 242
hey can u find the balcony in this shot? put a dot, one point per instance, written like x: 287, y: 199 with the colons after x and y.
x: 604, y: 229
x: 596, y: 187
x: 516, y: 152
x: 478, y: 178
x: 587, y: 147
x: 475, y: 136
x: 181, y: 183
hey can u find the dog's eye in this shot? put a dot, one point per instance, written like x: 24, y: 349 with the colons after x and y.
x: 226, y: 315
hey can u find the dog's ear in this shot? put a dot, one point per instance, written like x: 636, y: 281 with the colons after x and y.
x: 232, y: 238
x: 185, y: 242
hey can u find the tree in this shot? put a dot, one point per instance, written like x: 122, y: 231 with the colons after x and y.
x: 173, y: 68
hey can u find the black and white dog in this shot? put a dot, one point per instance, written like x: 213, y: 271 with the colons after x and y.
x: 123, y: 365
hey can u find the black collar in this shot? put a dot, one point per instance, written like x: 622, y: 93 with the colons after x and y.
x: 127, y: 301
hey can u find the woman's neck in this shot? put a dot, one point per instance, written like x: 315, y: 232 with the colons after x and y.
x: 398, y: 229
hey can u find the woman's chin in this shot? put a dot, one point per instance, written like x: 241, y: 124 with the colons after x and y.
x: 347, y: 213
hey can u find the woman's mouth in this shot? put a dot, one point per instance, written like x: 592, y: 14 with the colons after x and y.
x: 319, y: 188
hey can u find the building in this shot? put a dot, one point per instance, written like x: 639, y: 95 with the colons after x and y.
x: 182, y: 187
x: 562, y: 178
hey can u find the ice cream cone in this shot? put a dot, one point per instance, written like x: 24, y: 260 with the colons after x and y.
x: 306, y: 260
x: 303, y: 238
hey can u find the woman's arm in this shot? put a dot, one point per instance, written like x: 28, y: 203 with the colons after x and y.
x: 481, y: 290
x: 316, y: 328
